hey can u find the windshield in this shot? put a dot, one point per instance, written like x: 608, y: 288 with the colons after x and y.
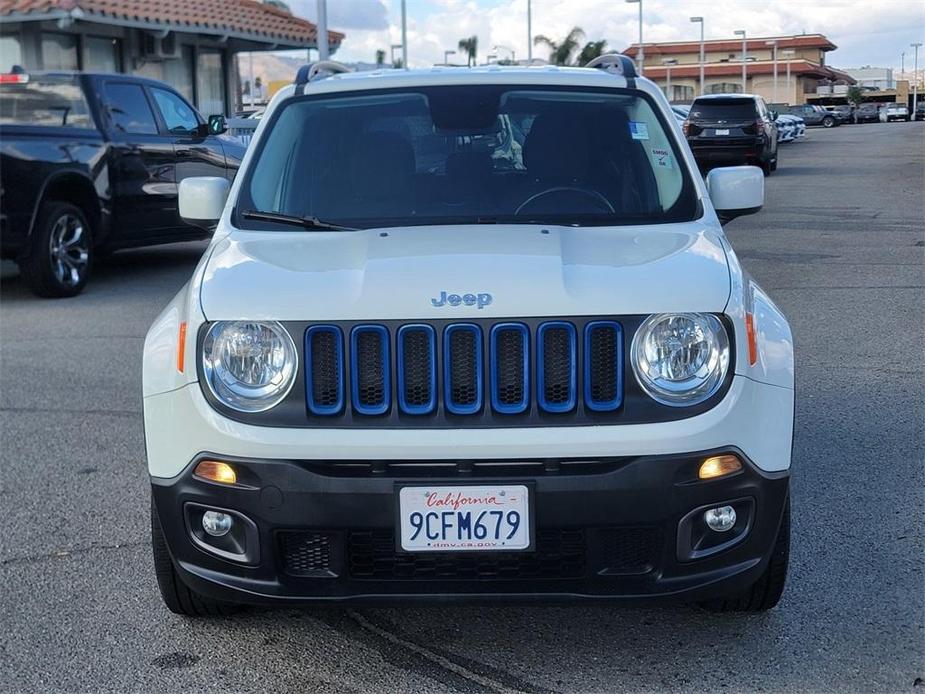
x: 468, y: 154
x: 723, y: 109
x: 49, y: 100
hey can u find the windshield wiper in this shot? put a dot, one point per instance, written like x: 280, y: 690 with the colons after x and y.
x: 306, y: 222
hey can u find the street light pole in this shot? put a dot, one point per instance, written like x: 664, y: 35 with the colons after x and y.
x: 774, y: 44
x: 668, y: 62
x: 640, y: 58
x: 392, y: 52
x: 741, y: 32
x: 404, y: 36
x: 700, y: 21
x: 323, y: 51
x: 529, y: 34
x: 915, y: 78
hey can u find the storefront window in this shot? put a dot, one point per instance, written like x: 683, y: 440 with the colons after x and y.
x: 210, y: 82
x: 725, y: 88
x: 59, y: 51
x: 10, y: 52
x: 102, y: 54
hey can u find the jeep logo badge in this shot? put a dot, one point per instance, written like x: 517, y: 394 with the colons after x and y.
x: 479, y: 300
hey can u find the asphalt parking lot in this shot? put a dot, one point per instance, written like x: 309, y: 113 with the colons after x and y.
x: 840, y: 246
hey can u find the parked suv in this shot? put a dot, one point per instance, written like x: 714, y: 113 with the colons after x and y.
x: 732, y: 129
x: 816, y: 115
x: 453, y: 339
x: 891, y: 112
x: 868, y: 113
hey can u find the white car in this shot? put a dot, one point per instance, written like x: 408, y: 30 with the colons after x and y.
x: 891, y: 112
x: 453, y: 338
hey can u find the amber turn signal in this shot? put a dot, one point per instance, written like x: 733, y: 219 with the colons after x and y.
x: 719, y: 466
x: 215, y: 471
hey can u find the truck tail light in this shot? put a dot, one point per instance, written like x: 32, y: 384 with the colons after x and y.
x: 686, y: 127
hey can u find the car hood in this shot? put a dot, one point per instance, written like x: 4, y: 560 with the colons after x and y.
x: 412, y: 272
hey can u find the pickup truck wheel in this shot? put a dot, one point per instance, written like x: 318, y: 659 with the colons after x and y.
x: 60, y: 255
x: 766, y: 592
x: 176, y: 595
x: 828, y: 122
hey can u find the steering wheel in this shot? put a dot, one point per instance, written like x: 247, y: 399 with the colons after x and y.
x: 597, y: 197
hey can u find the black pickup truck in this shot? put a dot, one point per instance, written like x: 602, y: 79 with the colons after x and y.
x: 90, y: 163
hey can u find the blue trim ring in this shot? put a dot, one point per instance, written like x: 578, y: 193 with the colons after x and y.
x: 557, y: 407
x: 313, y: 407
x: 617, y: 401
x: 496, y: 404
x: 431, y: 404
x: 451, y: 406
x: 382, y: 407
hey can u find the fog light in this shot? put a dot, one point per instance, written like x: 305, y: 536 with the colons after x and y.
x: 215, y: 471
x: 719, y: 519
x: 719, y: 466
x: 217, y: 524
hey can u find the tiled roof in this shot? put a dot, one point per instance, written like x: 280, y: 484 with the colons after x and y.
x: 753, y: 43
x: 242, y: 18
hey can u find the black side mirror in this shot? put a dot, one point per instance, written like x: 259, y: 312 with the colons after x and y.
x: 217, y: 125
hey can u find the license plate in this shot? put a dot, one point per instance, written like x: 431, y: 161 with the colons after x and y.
x: 464, y: 518
x: 721, y: 131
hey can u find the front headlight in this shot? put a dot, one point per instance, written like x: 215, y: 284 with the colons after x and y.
x: 249, y: 365
x: 680, y: 359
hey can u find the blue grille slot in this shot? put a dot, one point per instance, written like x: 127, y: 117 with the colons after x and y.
x: 417, y: 369
x: 370, y: 369
x: 603, y: 365
x: 556, y: 367
x: 324, y: 370
x: 509, y: 361
x: 462, y: 368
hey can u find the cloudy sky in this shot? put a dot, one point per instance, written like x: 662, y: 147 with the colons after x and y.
x: 867, y: 32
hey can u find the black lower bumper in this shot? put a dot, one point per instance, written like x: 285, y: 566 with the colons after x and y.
x: 319, y: 531
x: 736, y: 151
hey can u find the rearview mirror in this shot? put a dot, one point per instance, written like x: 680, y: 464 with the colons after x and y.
x: 736, y: 191
x: 217, y: 125
x: 202, y: 199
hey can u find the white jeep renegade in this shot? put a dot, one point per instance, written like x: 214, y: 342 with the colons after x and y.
x: 469, y: 334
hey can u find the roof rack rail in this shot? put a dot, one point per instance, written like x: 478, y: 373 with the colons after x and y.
x: 616, y: 63
x: 310, y: 72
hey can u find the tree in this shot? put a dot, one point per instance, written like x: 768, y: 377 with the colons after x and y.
x: 380, y: 57
x: 561, y: 52
x: 855, y: 95
x: 471, y: 48
x: 592, y: 50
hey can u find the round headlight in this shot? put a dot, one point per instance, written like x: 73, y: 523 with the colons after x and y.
x: 680, y: 359
x: 249, y: 365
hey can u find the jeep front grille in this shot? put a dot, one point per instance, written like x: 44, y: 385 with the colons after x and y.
x: 460, y: 370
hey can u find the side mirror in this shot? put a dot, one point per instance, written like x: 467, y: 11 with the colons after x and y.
x: 217, y: 125
x: 202, y: 199
x: 773, y: 114
x: 736, y: 191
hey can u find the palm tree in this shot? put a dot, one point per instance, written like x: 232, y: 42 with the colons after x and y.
x: 592, y: 50
x: 561, y: 52
x: 380, y: 57
x: 471, y: 47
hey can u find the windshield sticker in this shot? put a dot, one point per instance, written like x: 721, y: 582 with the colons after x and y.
x: 662, y: 158
x: 639, y: 131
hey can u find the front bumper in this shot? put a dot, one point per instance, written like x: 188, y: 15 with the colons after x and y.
x: 323, y: 531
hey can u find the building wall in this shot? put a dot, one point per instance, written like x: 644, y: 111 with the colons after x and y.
x: 762, y: 85
x: 692, y: 56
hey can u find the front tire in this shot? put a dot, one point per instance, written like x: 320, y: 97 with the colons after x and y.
x: 828, y: 122
x: 766, y: 592
x: 179, y: 598
x: 60, y: 254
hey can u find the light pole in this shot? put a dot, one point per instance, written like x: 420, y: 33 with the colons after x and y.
x: 640, y: 58
x: 446, y: 56
x: 392, y: 52
x: 741, y: 32
x: 668, y: 62
x: 404, y: 36
x: 915, y: 77
x: 902, y: 62
x: 700, y: 21
x: 788, y: 54
x: 774, y: 44
x: 323, y: 52
x: 529, y: 35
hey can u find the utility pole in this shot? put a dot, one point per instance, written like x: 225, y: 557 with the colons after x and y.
x: 323, y: 51
x: 741, y: 32
x: 668, y: 62
x: 404, y: 36
x: 641, y: 56
x: 774, y: 44
x: 700, y: 21
x: 915, y: 78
